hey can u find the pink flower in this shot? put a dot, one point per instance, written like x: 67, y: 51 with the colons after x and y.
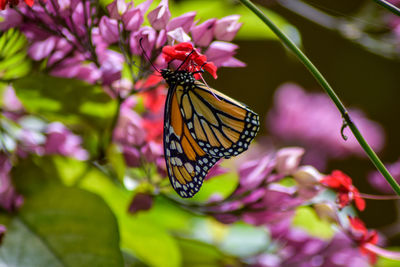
x: 61, y: 141
x: 129, y: 129
x: 221, y: 53
x: 379, y: 182
x: 227, y: 27
x: 288, y: 160
x: 109, y: 30
x: 132, y: 19
x: 74, y: 67
x: 149, y: 36
x: 42, y: 49
x: 184, y: 21
x: 159, y: 17
x: 117, y: 8
x: 178, y: 35
x: 312, y: 120
x: 9, y: 18
x: 10, y: 200
x: 10, y: 101
x: 203, y: 33
x: 131, y: 156
x: 141, y: 202
x: 111, y: 63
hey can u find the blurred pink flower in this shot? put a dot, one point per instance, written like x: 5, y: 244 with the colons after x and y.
x: 184, y: 21
x: 221, y: 54
x: 132, y: 19
x: 117, y: 8
x: 178, y: 35
x: 63, y: 142
x: 129, y: 129
x: 227, y: 28
x: 203, y: 33
x: 376, y: 179
x: 10, y: 200
x: 11, y: 102
x: 288, y: 160
x: 9, y: 18
x: 311, y: 120
x: 141, y: 202
x: 42, y: 49
x: 131, y: 156
x: 149, y: 36
x: 159, y: 17
x: 109, y: 30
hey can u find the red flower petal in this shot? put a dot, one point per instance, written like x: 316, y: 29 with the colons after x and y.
x: 360, y: 202
x: 358, y: 225
x: 29, y: 2
x: 3, y: 4
x: 211, y: 68
x: 195, y: 61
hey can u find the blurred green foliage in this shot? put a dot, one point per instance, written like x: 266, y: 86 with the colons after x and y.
x: 14, y: 62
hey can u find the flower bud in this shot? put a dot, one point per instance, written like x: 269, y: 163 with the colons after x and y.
x: 226, y: 28
x: 203, y: 34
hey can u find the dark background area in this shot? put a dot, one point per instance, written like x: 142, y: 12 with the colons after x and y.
x: 360, y: 78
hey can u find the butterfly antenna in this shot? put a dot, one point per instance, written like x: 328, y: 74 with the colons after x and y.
x: 185, y: 60
x: 204, y: 81
x: 146, y: 56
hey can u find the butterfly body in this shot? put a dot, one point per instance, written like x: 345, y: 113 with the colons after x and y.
x: 201, y: 126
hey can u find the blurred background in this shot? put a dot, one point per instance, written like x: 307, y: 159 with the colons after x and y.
x: 87, y: 158
x: 364, y: 77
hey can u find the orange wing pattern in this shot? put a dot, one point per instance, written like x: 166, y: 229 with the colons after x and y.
x: 222, y: 126
x: 201, y: 125
x: 187, y: 163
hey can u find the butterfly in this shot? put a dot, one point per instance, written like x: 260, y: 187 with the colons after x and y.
x: 201, y: 126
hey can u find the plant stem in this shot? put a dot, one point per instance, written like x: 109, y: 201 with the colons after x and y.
x: 328, y: 89
x: 392, y: 8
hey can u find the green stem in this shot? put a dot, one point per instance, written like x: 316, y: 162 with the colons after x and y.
x: 392, y: 8
x: 328, y: 89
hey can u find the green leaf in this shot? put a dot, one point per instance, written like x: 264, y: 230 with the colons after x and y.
x: 245, y: 240
x: 141, y: 235
x: 14, y: 62
x: 307, y: 219
x: 67, y: 100
x: 199, y: 254
x: 61, y: 226
x: 31, y: 174
x: 385, y: 262
x: 222, y: 185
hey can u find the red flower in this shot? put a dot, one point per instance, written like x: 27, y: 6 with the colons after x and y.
x: 360, y: 234
x: 347, y: 192
x: 194, y: 60
x: 12, y: 3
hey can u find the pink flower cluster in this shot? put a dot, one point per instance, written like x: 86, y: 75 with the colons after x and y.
x: 78, y: 45
x: 24, y: 134
x: 311, y: 120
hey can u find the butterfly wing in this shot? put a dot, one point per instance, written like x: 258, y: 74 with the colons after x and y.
x: 221, y: 126
x: 187, y: 164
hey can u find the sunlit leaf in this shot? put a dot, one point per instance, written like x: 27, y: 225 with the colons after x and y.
x: 14, y: 62
x: 199, y: 254
x: 307, y: 219
x: 148, y: 240
x: 67, y: 100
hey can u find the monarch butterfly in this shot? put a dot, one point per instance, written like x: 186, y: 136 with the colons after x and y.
x: 201, y: 126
